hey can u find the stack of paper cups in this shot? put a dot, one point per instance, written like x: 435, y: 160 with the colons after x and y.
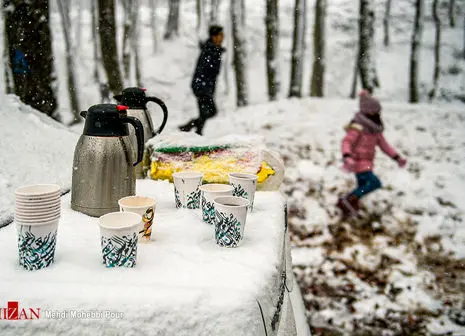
x: 37, y: 213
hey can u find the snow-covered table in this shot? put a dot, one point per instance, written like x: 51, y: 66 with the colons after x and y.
x: 183, y: 284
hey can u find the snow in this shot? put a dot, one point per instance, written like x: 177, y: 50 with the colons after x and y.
x: 419, y: 213
x: 183, y: 283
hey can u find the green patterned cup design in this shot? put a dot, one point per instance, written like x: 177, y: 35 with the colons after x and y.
x: 186, y: 189
x: 230, y: 217
x: 208, y: 193
x: 118, y: 237
x: 144, y: 206
x: 36, y: 244
x: 244, y: 186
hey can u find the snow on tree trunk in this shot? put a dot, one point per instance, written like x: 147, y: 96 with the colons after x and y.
x: 27, y: 26
x: 172, y: 24
x: 387, y: 16
x: 452, y: 13
x: 240, y: 53
x: 214, y: 10
x: 317, y: 82
x: 63, y: 7
x: 135, y: 41
x: 107, y: 30
x: 95, y: 40
x: 272, y: 48
x: 127, y: 33
x: 437, y: 50
x: 298, y: 49
x: 415, y: 51
x: 367, y: 45
x: 154, y: 22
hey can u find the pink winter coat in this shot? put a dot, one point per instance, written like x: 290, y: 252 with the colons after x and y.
x: 361, y: 146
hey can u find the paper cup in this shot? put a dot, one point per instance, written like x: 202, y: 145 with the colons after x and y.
x: 208, y: 193
x: 118, y: 231
x: 244, y: 185
x: 144, y: 206
x: 38, y: 191
x: 34, y: 218
x: 36, y: 244
x: 230, y: 217
x: 186, y: 189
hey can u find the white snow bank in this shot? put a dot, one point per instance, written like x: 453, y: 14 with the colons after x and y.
x: 34, y: 149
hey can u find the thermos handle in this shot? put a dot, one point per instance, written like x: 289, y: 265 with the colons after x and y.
x: 139, y: 135
x: 165, y: 113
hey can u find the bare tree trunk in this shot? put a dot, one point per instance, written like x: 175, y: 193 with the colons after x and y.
x: 415, y: 51
x: 27, y: 26
x: 64, y: 9
x: 243, y: 12
x: 298, y: 45
x: 107, y: 30
x: 226, y: 63
x: 200, y: 4
x: 7, y: 73
x: 318, y: 74
x: 366, y: 43
x: 154, y: 22
x: 387, y: 16
x: 135, y: 41
x: 172, y: 24
x: 452, y: 13
x: 95, y: 40
x: 356, y: 73
x: 127, y: 33
x: 272, y: 48
x: 78, y: 24
x: 214, y: 10
x: 240, y: 53
x: 437, y: 50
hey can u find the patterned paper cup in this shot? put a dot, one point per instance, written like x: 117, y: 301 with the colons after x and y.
x: 186, y: 189
x: 244, y: 185
x: 144, y: 206
x: 118, y: 232
x: 230, y: 217
x: 208, y: 193
x: 36, y: 244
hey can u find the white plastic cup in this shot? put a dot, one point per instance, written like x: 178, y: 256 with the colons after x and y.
x: 118, y: 231
x: 143, y: 206
x: 208, y: 193
x: 186, y: 189
x: 230, y: 218
x: 244, y: 186
x: 37, y: 243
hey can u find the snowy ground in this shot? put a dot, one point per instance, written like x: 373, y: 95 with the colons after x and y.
x: 398, y: 271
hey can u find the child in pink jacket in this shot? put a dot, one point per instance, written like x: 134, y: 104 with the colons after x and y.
x: 364, y: 133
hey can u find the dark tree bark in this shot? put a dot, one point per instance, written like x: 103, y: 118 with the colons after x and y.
x: 298, y: 49
x: 356, y: 73
x: 214, y: 11
x: 437, y: 50
x: 366, y: 62
x: 7, y: 73
x: 387, y: 16
x: 27, y: 27
x: 128, y: 28
x: 135, y: 41
x: 240, y: 53
x: 415, y: 52
x: 95, y: 42
x: 272, y: 48
x: 318, y: 73
x: 452, y: 13
x: 172, y: 24
x: 64, y: 10
x: 107, y: 30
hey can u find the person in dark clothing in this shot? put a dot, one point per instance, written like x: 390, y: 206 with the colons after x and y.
x: 204, y: 81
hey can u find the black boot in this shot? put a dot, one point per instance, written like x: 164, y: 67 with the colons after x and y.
x: 187, y: 127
